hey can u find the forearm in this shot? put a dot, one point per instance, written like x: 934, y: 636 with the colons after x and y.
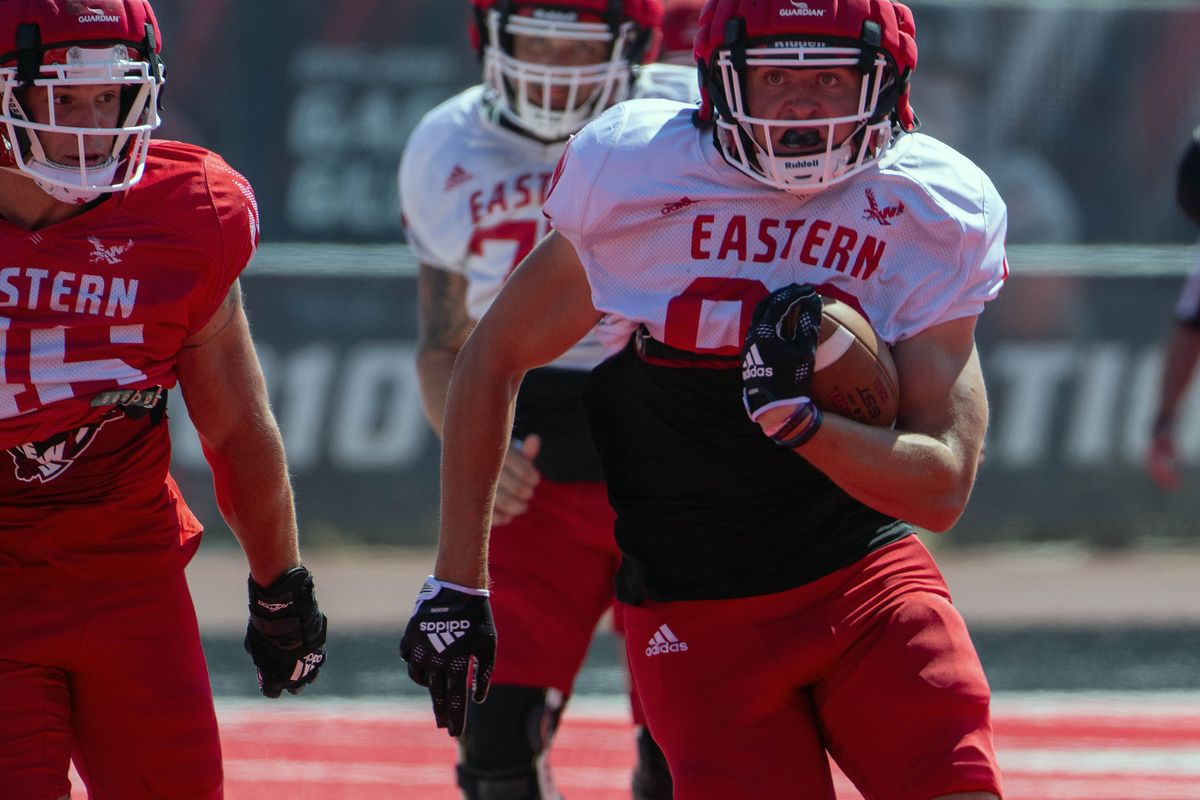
x: 913, y: 476
x: 921, y: 471
x: 254, y: 494
x: 434, y: 367
x: 443, y: 326
x: 476, y: 434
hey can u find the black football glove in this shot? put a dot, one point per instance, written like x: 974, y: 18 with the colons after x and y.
x: 450, y: 644
x: 286, y: 634
x: 778, y: 355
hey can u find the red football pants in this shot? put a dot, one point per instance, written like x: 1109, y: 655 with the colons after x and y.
x: 871, y: 664
x: 552, y: 574
x: 119, y: 682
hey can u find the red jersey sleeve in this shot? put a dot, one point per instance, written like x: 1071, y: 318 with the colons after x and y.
x: 236, y: 237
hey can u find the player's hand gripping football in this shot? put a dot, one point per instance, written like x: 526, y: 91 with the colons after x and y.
x: 450, y: 647
x: 286, y: 634
x: 778, y: 355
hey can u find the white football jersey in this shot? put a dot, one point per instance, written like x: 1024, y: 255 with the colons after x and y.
x: 675, y: 238
x: 471, y: 192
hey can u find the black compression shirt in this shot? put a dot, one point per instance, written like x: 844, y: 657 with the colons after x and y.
x: 707, y: 506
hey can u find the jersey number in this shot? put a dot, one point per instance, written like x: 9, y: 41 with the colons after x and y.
x: 521, y: 233
x: 684, y: 312
x: 35, y: 362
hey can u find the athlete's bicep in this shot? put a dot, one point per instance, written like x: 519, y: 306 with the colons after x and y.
x: 941, y: 386
x: 220, y: 377
x: 442, y: 320
x: 224, y: 314
x: 544, y: 308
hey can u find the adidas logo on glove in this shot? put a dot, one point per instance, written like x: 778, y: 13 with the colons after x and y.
x: 752, y: 365
x: 443, y: 633
x: 665, y: 641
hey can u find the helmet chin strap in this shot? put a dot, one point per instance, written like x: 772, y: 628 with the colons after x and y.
x: 50, y: 176
x: 47, y: 176
x: 788, y: 168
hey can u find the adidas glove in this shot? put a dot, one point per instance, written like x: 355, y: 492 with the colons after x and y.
x: 450, y: 645
x: 777, y: 361
x: 286, y: 634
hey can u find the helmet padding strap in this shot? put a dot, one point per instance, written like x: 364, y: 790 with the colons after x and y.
x: 29, y: 52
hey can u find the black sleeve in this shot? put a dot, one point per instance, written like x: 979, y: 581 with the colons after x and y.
x: 1187, y: 188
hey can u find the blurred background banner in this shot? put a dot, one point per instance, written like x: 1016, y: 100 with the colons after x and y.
x: 1078, y: 110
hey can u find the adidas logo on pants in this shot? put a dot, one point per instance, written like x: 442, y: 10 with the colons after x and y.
x: 665, y: 641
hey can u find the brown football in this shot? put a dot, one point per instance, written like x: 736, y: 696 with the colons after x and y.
x: 854, y: 375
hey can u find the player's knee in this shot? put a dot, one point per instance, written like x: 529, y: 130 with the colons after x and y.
x: 501, y: 751
x: 651, y: 776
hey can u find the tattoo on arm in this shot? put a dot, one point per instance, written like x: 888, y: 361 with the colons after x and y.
x: 225, y: 314
x: 443, y: 321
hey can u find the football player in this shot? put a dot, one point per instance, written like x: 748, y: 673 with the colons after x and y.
x: 1183, y: 345
x: 780, y: 609
x: 472, y: 181
x: 120, y: 280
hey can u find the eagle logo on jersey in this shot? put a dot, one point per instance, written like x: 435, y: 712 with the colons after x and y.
x: 46, y: 460
x: 109, y: 255
x: 883, y: 216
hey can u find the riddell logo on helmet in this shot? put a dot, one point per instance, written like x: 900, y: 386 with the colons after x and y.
x: 555, y: 15
x: 800, y: 9
x: 792, y: 44
x: 804, y: 163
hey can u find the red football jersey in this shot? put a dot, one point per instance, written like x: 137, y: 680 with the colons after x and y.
x: 99, y: 302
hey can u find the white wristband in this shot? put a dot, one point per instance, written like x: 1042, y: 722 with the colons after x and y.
x: 457, y: 588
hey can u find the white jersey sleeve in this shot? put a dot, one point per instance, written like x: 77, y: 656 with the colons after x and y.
x: 569, y: 207
x: 966, y: 235
x: 663, y: 82
x: 432, y: 224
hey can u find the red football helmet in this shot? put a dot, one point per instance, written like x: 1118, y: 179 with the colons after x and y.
x: 55, y: 45
x: 874, y: 37
x: 522, y: 92
x: 681, y: 20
